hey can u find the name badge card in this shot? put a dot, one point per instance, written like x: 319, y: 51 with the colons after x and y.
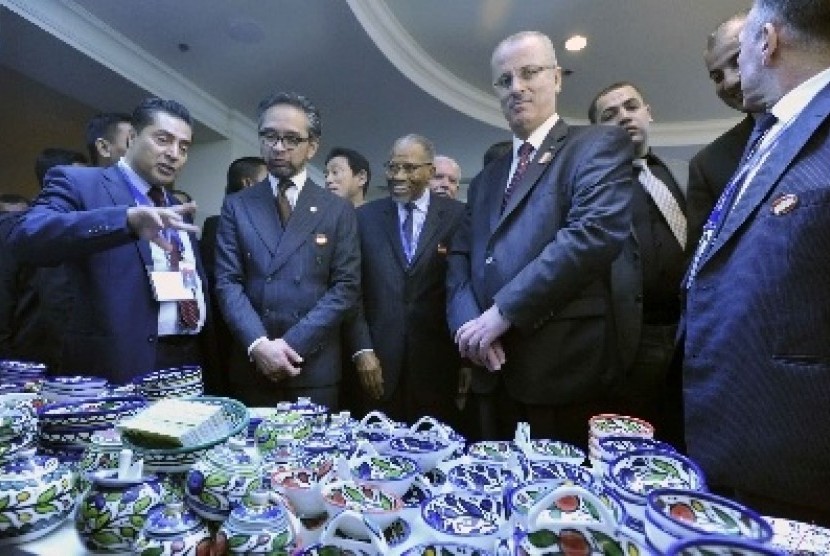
x: 169, y: 285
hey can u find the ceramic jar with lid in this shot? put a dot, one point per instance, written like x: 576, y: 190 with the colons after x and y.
x: 173, y: 530
x: 114, y: 511
x: 36, y: 495
x: 286, y: 428
x: 101, y: 454
x: 216, y: 483
x: 257, y: 526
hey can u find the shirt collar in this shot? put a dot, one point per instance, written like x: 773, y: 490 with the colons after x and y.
x: 421, y: 203
x: 791, y: 105
x: 537, y: 137
x: 298, y: 180
x: 137, y: 181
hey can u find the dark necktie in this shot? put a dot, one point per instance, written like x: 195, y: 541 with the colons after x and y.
x: 409, y: 232
x: 283, y: 204
x: 188, y: 309
x: 525, y: 152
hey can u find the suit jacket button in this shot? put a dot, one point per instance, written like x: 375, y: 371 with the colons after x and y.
x: 269, y: 279
x: 297, y: 280
x: 488, y: 260
x: 151, y: 339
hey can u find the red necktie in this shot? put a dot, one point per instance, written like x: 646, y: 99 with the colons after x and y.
x: 188, y: 309
x: 525, y: 152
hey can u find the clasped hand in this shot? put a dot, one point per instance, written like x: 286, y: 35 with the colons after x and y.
x: 478, y: 339
x: 276, y: 359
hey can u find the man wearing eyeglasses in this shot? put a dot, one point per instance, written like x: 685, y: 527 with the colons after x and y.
x: 405, y: 357
x: 528, y: 289
x: 287, y: 267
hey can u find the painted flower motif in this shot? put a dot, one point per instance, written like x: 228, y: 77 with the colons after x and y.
x: 130, y: 496
x: 98, y: 501
x: 195, y: 482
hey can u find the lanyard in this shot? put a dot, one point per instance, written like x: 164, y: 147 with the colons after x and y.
x: 142, y: 200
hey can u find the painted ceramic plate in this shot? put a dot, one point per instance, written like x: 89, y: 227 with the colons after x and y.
x: 481, y: 478
x: 384, y: 468
x: 463, y: 514
x: 361, y: 498
x: 492, y: 450
x: 637, y: 473
x: 619, y: 425
x: 554, y: 449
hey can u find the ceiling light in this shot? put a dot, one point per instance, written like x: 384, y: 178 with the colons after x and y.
x: 576, y: 43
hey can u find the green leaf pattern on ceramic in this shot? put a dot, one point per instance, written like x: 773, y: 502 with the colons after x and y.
x: 116, y: 525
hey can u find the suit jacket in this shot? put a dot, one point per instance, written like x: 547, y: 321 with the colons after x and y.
x: 709, y: 172
x: 79, y: 219
x: 545, y: 261
x: 207, y: 245
x: 757, y: 324
x: 403, y: 312
x: 297, y: 284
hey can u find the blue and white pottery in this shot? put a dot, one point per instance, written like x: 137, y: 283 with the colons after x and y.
x: 469, y: 519
x: 284, y: 428
x: 391, y: 473
x: 101, y: 454
x: 558, y: 472
x: 70, y: 383
x: 498, y: 451
x: 572, y: 507
x: 379, y: 506
x: 36, y: 495
x: 554, y: 450
x: 426, y: 451
x: 98, y: 412
x: 446, y: 549
x: 257, y: 526
x: 173, y: 530
x: 368, y: 541
x: 707, y: 546
x: 482, y: 478
x: 218, y: 481
x: 256, y: 416
x: 674, y: 514
x: 302, y: 489
x: 114, y: 511
x: 315, y: 414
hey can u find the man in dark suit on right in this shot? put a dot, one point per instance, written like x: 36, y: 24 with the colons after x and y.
x: 714, y: 164
x: 528, y: 281
x: 757, y: 350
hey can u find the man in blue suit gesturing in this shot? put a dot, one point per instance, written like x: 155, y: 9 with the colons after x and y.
x: 528, y: 293
x: 757, y: 315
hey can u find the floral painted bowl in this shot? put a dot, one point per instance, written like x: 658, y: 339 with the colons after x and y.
x: 574, y: 538
x: 445, y: 549
x: 482, y: 478
x: 612, y: 447
x: 707, y: 546
x: 567, y: 508
x: 368, y: 541
x: 394, y: 474
x: 673, y: 514
x: 619, y: 425
x: 381, y: 507
x: 558, y: 472
x: 173, y: 530
x: 257, y: 526
x: 465, y: 518
x: 554, y: 450
x: 302, y: 489
x: 497, y: 451
x: 426, y: 451
x: 99, y: 412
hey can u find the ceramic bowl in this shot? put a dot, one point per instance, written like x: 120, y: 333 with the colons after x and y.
x: 482, y: 478
x: 445, y: 549
x: 255, y: 416
x: 497, y: 451
x: 469, y: 519
x: 708, y: 546
x: 393, y: 474
x: 257, y: 526
x: 673, y: 515
x: 171, y: 530
x: 610, y: 424
x: 567, y: 508
x: 90, y: 413
x: 553, y: 450
x: 558, y: 472
x: 302, y: 489
x: 167, y: 378
x: 314, y: 413
x: 612, y: 447
x: 379, y: 506
x: 70, y: 383
x: 635, y: 474
x: 426, y: 451
x: 574, y: 538
x: 369, y: 541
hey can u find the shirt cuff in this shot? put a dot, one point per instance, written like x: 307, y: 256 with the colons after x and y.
x: 360, y: 352
x: 254, y: 344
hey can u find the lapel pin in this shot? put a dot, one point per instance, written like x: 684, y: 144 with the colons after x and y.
x: 321, y: 239
x: 442, y: 249
x: 784, y: 204
x: 312, y: 209
x: 545, y: 158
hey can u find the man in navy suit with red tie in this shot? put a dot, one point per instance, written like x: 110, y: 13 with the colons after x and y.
x: 757, y: 315
x: 528, y: 285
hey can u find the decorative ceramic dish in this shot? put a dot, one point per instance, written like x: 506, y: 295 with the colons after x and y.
x: 391, y: 473
x: 619, y: 425
x: 492, y: 450
x: 464, y: 515
x: 482, y: 478
x: 554, y: 450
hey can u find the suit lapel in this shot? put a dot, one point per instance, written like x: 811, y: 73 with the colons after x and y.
x: 262, y: 208
x: 114, y: 183
x: 307, y: 212
x: 541, y: 161
x: 432, y: 224
x: 392, y: 230
x: 786, y: 148
x: 494, y: 192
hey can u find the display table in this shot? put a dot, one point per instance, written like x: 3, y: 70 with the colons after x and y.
x: 63, y: 541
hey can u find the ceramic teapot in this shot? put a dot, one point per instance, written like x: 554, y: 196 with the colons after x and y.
x: 218, y: 481
x: 173, y: 530
x: 114, y: 511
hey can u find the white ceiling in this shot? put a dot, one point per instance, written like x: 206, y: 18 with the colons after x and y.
x: 352, y: 58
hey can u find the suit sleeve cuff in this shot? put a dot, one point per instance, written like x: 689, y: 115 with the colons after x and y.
x: 254, y: 344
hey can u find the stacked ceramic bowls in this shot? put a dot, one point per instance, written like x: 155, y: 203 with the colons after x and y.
x: 674, y: 515
x: 179, y: 382
x: 12, y: 371
x: 18, y: 425
x: 634, y: 475
x: 64, y: 389
x: 65, y: 429
x: 609, y: 424
x: 610, y: 448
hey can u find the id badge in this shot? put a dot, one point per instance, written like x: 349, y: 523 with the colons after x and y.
x: 170, y: 285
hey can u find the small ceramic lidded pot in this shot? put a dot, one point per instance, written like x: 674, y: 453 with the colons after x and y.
x: 173, y: 530
x: 257, y: 526
x: 114, y: 511
x: 101, y: 454
x: 285, y: 428
x: 218, y: 482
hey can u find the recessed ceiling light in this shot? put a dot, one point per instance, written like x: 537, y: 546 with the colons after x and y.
x: 576, y: 43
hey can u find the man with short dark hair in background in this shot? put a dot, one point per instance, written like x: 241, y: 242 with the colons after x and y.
x: 107, y: 137
x: 109, y: 226
x: 348, y: 175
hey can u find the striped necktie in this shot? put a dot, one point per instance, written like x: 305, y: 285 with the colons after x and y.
x: 665, y: 201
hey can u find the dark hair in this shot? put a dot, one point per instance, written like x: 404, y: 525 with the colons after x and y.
x: 145, y: 112
x: 241, y: 168
x: 808, y: 18
x: 103, y: 126
x: 497, y: 150
x: 315, y: 127
x: 592, y: 110
x: 357, y: 162
x: 51, y: 157
x: 13, y: 199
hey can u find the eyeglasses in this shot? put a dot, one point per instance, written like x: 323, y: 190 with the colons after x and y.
x: 393, y: 168
x: 525, y: 73
x: 289, y: 141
